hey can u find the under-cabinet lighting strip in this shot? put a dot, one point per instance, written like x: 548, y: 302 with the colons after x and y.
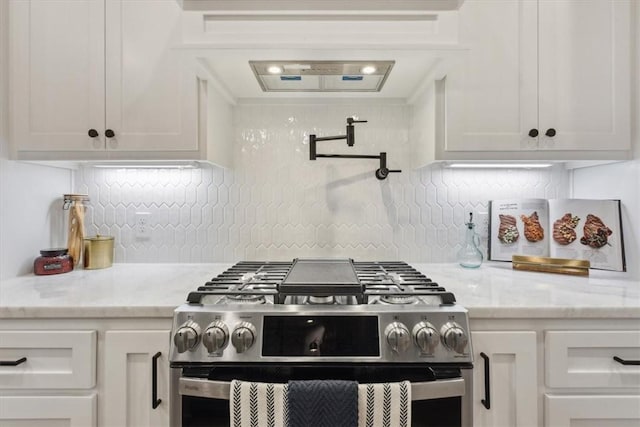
x: 127, y: 165
x: 498, y: 165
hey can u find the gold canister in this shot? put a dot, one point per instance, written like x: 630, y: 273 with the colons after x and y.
x: 98, y: 252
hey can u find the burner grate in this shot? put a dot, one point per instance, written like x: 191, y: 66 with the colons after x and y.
x: 245, y: 280
x: 385, y: 280
x: 390, y: 279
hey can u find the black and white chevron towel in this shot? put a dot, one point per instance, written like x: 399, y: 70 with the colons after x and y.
x: 267, y: 405
x: 384, y: 405
x: 258, y: 404
x: 328, y: 403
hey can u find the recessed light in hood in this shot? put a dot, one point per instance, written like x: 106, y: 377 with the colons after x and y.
x: 322, y: 76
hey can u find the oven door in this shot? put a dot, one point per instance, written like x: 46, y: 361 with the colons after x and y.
x: 440, y: 396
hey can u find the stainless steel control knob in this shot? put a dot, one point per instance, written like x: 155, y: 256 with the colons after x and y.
x: 398, y: 337
x: 425, y: 337
x: 454, y: 337
x: 216, y: 337
x: 187, y: 336
x: 243, y: 336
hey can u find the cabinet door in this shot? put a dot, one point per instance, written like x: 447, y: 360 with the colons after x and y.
x: 129, y: 358
x: 48, y: 411
x: 592, y: 411
x: 492, y: 92
x: 151, y: 89
x: 584, y: 68
x: 512, y: 379
x: 57, y: 74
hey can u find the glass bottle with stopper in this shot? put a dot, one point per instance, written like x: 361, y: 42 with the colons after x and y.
x: 470, y: 256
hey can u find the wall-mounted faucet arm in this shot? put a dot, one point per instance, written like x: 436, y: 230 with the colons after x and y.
x: 328, y: 138
x: 381, y: 173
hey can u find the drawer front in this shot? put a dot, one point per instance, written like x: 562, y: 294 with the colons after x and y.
x: 54, y: 359
x: 592, y: 410
x: 71, y: 411
x: 586, y: 359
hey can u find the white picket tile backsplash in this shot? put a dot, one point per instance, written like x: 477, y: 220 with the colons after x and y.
x: 277, y: 204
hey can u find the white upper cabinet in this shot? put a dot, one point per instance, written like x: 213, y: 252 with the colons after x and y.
x: 98, y: 79
x: 584, y: 74
x: 150, y: 88
x: 492, y: 97
x: 57, y: 74
x: 538, y: 80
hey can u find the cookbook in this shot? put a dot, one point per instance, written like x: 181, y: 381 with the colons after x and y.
x: 558, y: 228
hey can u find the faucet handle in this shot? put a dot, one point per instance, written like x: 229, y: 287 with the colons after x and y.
x: 351, y: 120
x: 383, y: 171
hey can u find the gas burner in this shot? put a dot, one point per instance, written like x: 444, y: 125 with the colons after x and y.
x: 390, y: 278
x: 252, y: 277
x: 247, y: 277
x: 246, y: 299
x: 320, y: 300
x: 398, y: 299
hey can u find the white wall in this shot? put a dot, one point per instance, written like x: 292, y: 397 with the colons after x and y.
x: 277, y: 204
x: 28, y: 193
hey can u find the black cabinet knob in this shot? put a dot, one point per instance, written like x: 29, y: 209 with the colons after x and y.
x: 109, y: 133
x: 550, y: 132
x: 533, y: 133
x: 93, y: 133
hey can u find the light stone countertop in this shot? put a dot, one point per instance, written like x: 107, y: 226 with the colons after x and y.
x: 154, y: 290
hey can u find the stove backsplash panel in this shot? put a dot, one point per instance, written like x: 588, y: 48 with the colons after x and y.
x: 277, y: 204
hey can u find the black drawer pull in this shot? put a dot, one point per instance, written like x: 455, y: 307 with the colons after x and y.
x: 13, y: 362
x: 93, y: 133
x: 486, y: 402
x: 109, y: 133
x: 551, y: 132
x: 155, y: 402
x: 533, y: 133
x: 626, y: 362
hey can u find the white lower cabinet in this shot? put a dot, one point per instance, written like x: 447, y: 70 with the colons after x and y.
x: 600, y: 369
x: 509, y: 360
x: 48, y: 411
x: 592, y: 410
x: 129, y: 396
x: 47, y: 377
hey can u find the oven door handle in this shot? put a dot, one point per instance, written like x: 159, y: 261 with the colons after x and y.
x: 419, y: 391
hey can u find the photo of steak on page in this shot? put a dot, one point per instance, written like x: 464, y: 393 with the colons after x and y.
x: 533, y: 230
x: 596, y: 234
x: 508, y: 231
x: 589, y: 230
x: 564, y: 232
x: 517, y: 228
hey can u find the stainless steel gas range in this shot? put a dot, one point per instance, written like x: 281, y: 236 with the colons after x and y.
x: 321, y: 319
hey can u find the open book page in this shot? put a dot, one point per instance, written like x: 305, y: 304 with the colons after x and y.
x: 518, y: 227
x: 587, y: 229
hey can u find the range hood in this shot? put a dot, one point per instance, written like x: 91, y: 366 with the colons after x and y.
x: 321, y: 76
x: 243, y: 74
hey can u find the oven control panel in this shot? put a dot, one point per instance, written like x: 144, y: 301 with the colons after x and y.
x: 344, y: 334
